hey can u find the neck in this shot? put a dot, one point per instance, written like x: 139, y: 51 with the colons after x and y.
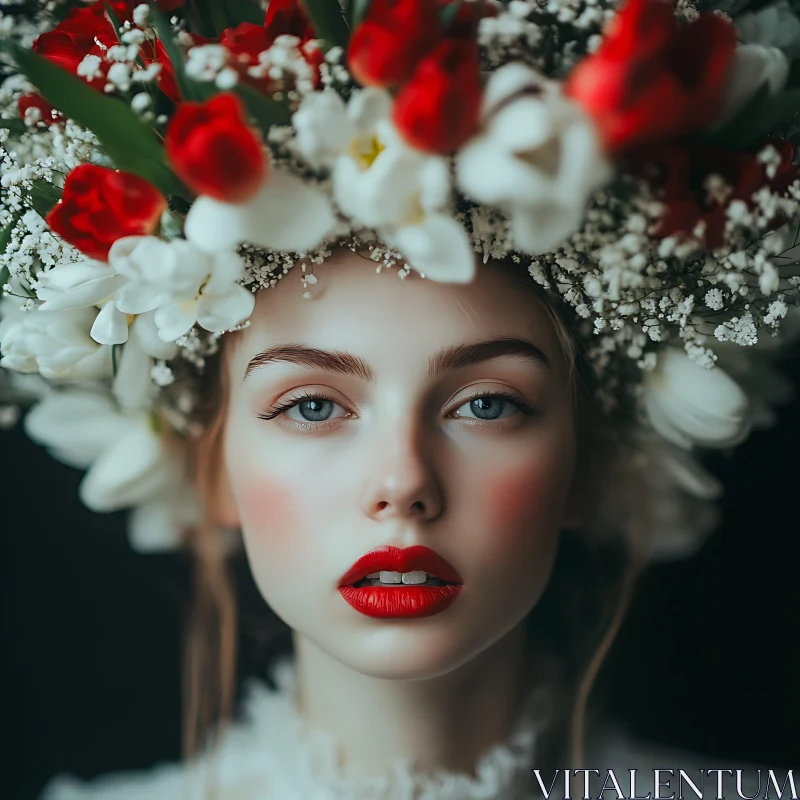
x: 445, y: 722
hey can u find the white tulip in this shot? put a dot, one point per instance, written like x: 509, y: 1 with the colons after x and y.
x: 56, y: 344
x: 286, y: 214
x: 76, y: 285
x: 775, y: 25
x: 182, y: 284
x: 382, y: 183
x: 127, y: 461
x: 537, y: 156
x: 690, y: 405
x: 158, y: 525
x: 754, y: 66
x: 133, y: 386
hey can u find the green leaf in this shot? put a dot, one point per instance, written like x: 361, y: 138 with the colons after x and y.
x: 328, y: 22
x: 265, y: 112
x: 115, y: 20
x: 448, y: 14
x: 358, y: 10
x: 210, y: 17
x: 43, y: 196
x: 189, y: 89
x: 244, y: 11
x: 130, y: 144
x: 16, y: 126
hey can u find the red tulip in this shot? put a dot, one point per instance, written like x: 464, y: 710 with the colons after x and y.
x: 438, y: 109
x: 652, y: 80
x: 100, y: 205
x: 88, y: 31
x: 214, y: 151
x: 47, y: 114
x: 246, y: 41
x: 287, y: 17
x: 387, y: 46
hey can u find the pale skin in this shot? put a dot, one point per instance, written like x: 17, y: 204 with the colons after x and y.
x: 403, y: 459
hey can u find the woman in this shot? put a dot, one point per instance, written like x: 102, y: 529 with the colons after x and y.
x: 408, y: 461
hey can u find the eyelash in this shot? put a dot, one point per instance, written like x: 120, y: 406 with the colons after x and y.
x: 523, y: 407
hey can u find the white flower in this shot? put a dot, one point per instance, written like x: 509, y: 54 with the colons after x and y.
x: 775, y: 25
x: 689, y: 405
x: 133, y: 385
x: 286, y: 214
x: 56, y: 344
x: 127, y: 461
x: 181, y: 283
x: 77, y: 285
x: 157, y: 526
x: 754, y: 66
x: 537, y: 156
x: 382, y: 183
x: 680, y: 495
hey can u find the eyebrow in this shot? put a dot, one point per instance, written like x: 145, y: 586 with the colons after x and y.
x: 446, y: 360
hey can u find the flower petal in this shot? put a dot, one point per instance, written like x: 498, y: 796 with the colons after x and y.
x: 438, y: 248
x: 75, y: 426
x: 110, y: 326
x: 217, y: 313
x: 131, y: 471
x: 145, y: 331
x: 689, y: 405
x: 322, y: 127
x: 286, y: 215
x: 176, y: 318
x: 77, y: 285
x: 132, y: 385
x: 158, y: 526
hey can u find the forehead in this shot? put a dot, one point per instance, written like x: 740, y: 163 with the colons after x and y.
x: 380, y: 315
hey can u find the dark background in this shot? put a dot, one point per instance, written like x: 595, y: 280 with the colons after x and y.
x: 709, y: 658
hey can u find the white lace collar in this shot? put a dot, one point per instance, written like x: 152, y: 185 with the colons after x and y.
x: 501, y: 772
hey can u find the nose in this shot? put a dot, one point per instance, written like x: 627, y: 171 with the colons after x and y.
x: 402, y: 482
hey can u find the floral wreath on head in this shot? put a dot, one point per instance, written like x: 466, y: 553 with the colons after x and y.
x: 163, y: 161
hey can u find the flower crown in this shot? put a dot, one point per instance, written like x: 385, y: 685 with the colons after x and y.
x: 162, y: 162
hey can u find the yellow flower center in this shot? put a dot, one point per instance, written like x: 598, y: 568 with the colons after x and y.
x: 365, y: 150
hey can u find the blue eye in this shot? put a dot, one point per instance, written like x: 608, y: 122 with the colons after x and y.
x: 315, y: 409
x: 488, y: 405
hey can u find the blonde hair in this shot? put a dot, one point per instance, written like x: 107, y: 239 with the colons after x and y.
x: 210, y: 649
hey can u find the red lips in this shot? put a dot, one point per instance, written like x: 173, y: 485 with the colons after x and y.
x: 393, y: 559
x: 401, y: 601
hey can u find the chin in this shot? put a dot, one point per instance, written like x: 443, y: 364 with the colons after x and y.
x: 405, y: 650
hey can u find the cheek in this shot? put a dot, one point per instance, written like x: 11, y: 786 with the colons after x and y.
x: 516, y: 512
x: 270, y: 505
x: 525, y: 495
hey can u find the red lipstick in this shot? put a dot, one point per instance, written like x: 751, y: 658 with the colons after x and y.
x: 401, y: 600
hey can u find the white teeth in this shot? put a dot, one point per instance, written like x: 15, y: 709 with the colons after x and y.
x: 389, y: 577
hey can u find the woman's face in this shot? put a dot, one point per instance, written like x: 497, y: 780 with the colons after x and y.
x: 394, y: 452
